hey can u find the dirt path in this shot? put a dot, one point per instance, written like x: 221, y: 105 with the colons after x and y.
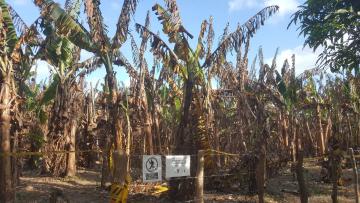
x: 319, y: 191
x: 85, y: 189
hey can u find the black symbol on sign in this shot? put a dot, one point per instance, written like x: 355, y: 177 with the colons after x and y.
x: 152, y: 164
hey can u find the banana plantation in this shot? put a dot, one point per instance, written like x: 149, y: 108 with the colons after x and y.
x: 256, y: 130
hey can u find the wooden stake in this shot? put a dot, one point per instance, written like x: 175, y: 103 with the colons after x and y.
x: 355, y: 174
x: 120, y: 160
x: 199, y: 198
x: 301, y: 178
x: 260, y: 174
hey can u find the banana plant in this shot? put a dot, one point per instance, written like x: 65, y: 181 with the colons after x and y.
x: 186, y: 63
x: 65, y: 92
x: 97, y: 42
x: 8, y: 94
x: 142, y: 93
x: 15, y: 64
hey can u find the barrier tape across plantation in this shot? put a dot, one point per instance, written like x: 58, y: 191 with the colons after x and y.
x: 216, y: 152
x: 119, y: 192
x: 22, y: 154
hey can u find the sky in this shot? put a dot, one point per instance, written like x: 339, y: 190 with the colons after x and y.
x: 274, y: 34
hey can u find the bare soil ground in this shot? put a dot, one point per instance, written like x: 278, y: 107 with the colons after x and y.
x: 85, y: 189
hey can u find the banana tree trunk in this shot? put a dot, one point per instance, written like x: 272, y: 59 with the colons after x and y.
x: 260, y: 173
x: 71, y: 158
x: 147, y: 130
x: 14, y: 160
x: 327, y: 134
x: 17, y: 129
x: 157, y: 129
x: 217, y: 146
x: 89, y: 133
x: 184, y: 121
x: 76, y: 104
x: 55, y: 164
x: 293, y: 138
x: 180, y: 189
x: 62, y: 131
x: 105, y: 169
x: 309, y: 133
x: 358, y: 130
x: 115, y: 116
x: 7, y: 192
x: 260, y: 151
x: 350, y: 135
x: 115, y: 120
x: 285, y: 130
x: 321, y: 143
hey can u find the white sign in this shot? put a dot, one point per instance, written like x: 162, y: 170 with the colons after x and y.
x: 177, y: 166
x: 151, y: 168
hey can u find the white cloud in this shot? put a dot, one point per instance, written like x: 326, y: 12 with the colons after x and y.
x: 242, y: 4
x: 286, y: 6
x: 305, y: 58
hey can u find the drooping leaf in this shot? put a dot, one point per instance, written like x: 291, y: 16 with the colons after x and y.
x: 97, y: 27
x: 280, y: 84
x: 42, y: 116
x: 122, y: 26
x: 239, y: 36
x: 135, y: 52
x: 50, y: 91
x: 160, y: 49
x: 18, y: 22
x: 72, y: 7
x: 171, y: 22
x: 66, y: 25
x: 210, y: 37
x: 120, y: 60
x: 11, y: 36
x: 144, y: 40
x: 57, y: 51
x: 200, y: 50
x: 88, y: 66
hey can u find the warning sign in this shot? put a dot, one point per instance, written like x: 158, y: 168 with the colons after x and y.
x: 151, y: 168
x: 177, y: 166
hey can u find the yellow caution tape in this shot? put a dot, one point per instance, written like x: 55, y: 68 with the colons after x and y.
x: 355, y: 156
x: 160, y: 189
x: 116, y: 193
x: 119, y: 193
x: 222, y: 153
x: 19, y: 154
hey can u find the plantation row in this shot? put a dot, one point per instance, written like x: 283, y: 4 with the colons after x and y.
x: 263, y: 112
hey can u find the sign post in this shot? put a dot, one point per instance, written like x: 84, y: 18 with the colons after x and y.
x: 199, y: 184
x: 177, y: 166
x: 151, y: 168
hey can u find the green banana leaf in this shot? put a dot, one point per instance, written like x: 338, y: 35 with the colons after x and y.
x: 11, y: 36
x: 68, y: 27
x: 50, y: 92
